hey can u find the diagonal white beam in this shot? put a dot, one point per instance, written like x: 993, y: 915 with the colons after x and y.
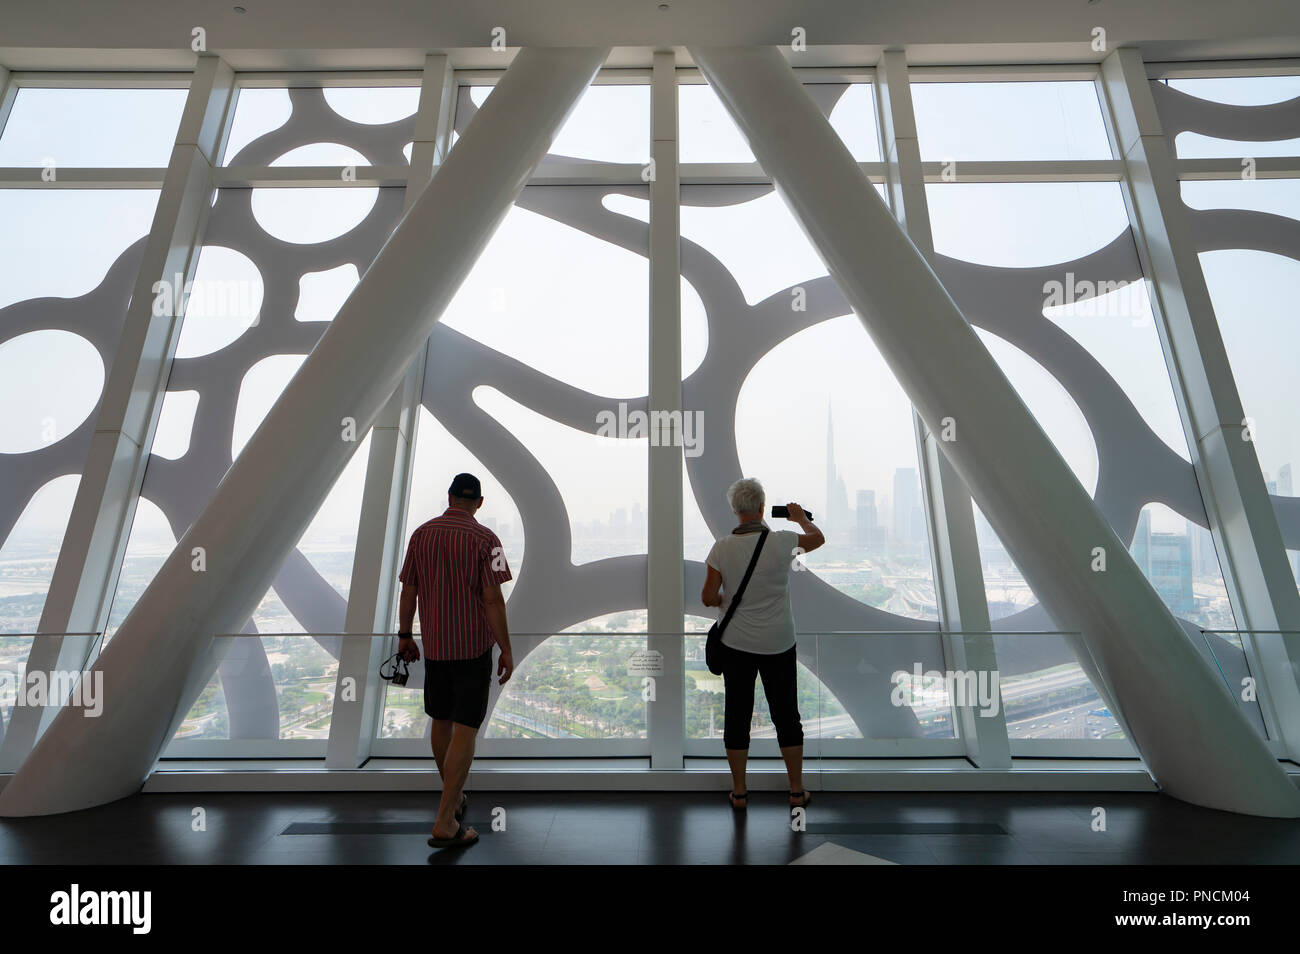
x: 1194, y: 740
x: 269, y: 495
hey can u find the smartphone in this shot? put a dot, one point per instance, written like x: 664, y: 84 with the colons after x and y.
x: 785, y: 512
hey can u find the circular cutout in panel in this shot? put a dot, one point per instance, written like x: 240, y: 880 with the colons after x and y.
x: 566, y: 303
x: 1024, y: 224
x: 257, y: 112
x: 322, y: 294
x: 220, y: 304
x: 842, y: 442
x: 1052, y: 406
x: 308, y: 216
x: 175, y: 424
x: 259, y: 391
x: 52, y: 380
x: 373, y: 105
x: 321, y: 154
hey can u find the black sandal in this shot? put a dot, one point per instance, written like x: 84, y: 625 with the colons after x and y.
x: 738, y: 802
x: 805, y: 798
x: 458, y: 840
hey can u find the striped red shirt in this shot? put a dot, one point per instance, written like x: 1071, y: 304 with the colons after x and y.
x: 448, y: 561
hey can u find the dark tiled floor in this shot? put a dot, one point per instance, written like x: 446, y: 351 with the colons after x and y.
x: 653, y: 828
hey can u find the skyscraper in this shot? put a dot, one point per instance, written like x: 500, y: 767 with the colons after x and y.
x: 909, y: 524
x: 868, y: 532
x: 1141, y: 548
x: 837, y: 497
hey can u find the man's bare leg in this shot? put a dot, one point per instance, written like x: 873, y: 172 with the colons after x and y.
x: 454, y: 770
x: 439, y: 739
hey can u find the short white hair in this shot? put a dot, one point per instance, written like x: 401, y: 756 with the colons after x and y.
x: 746, y: 496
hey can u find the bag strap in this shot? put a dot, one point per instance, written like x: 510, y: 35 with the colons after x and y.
x: 749, y: 571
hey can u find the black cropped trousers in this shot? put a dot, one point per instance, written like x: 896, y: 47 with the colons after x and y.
x: 779, y: 672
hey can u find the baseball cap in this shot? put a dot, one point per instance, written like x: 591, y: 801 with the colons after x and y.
x: 465, y: 486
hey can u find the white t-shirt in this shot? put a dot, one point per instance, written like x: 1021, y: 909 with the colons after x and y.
x: 763, y: 622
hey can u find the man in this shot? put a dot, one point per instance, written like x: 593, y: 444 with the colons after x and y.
x: 453, y: 571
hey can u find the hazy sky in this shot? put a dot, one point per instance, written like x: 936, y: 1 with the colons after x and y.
x: 576, y: 308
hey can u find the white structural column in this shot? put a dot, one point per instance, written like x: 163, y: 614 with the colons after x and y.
x: 959, y: 578
x: 357, y: 692
x: 211, y: 582
x: 7, y: 94
x: 85, y: 576
x: 1194, y: 739
x: 664, y: 576
x: 1252, y: 555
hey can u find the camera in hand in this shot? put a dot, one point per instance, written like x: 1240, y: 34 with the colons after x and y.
x: 785, y: 512
x: 399, y: 672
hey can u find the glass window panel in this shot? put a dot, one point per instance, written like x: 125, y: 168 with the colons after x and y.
x: 1055, y: 701
x: 1020, y: 121
x: 1240, y: 90
x: 309, y: 216
x: 224, y: 300
x: 373, y: 105
x: 565, y: 302
x: 1179, y: 559
x: 822, y: 713
x: 847, y: 449
x: 257, y: 112
x: 1253, y: 294
x: 321, y: 154
x: 706, y: 132
x: 55, y: 377
x: 602, y: 479
x: 552, y: 293
x: 29, y: 553
x: 854, y: 118
x: 260, y: 111
x: 1118, y: 329
x: 577, y: 687
x: 49, y: 252
x: 14, y: 651
x: 439, y: 457
x: 1191, y: 145
x: 609, y: 124
x: 149, y: 544
x: 1016, y: 226
x: 758, y: 241
x: 70, y: 285
x: 1021, y: 225
x: 1052, y: 406
x: 1236, y: 91
x: 68, y: 128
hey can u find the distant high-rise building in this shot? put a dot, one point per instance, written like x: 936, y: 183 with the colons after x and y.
x: 868, y: 532
x: 1284, y: 480
x: 1171, y: 570
x: 1205, y: 562
x: 1166, y: 560
x: 909, y: 522
x: 837, y: 498
x: 1141, y: 547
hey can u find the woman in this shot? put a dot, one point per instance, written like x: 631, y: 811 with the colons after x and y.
x: 759, y: 640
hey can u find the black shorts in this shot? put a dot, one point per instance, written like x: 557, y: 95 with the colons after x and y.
x: 457, y: 689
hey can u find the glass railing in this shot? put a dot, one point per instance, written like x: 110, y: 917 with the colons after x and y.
x: 859, y: 692
x: 570, y: 686
x: 1236, y: 652
x: 15, y: 651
